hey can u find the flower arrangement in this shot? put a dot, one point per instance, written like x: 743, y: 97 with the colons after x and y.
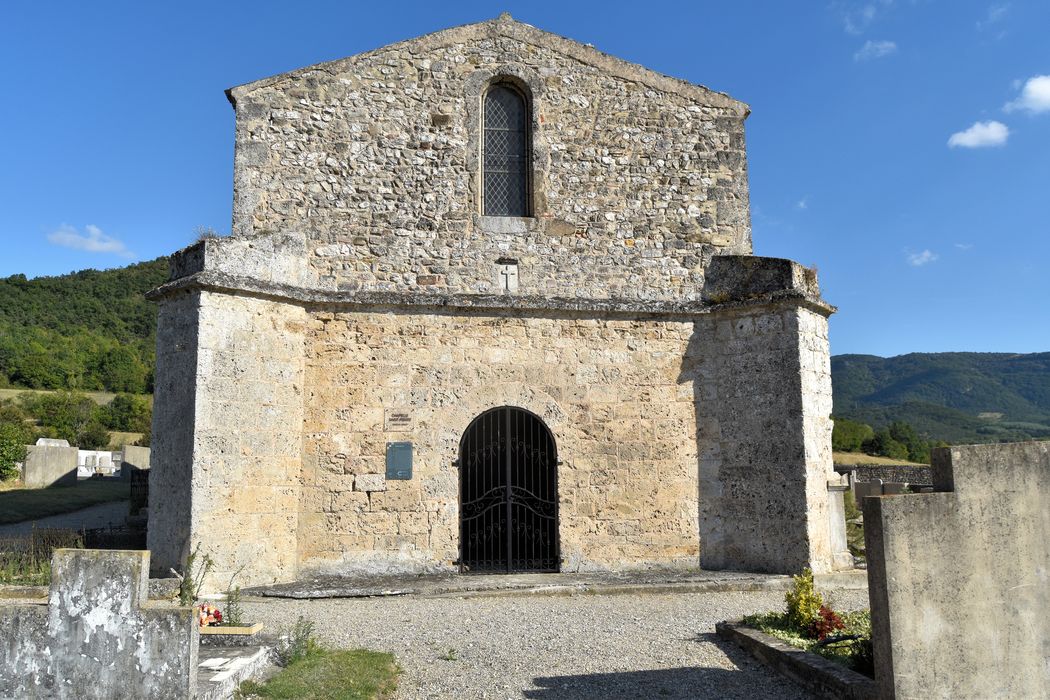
x: 209, y: 615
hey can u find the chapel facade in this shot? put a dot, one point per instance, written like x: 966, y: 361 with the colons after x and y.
x: 489, y: 305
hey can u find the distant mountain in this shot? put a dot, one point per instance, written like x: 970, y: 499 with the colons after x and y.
x: 89, y: 330
x: 953, y: 396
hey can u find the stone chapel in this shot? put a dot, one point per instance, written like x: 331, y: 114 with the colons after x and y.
x: 489, y: 305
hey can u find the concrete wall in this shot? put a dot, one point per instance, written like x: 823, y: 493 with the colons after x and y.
x: 960, y: 580
x: 136, y: 457
x: 48, y: 465
x: 98, y: 637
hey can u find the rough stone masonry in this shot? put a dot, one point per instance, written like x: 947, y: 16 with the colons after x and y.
x: 365, y: 298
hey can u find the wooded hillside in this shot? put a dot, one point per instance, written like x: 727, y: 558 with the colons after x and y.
x: 953, y: 396
x: 88, y: 330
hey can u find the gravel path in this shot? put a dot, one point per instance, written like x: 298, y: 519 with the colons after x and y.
x: 555, y: 647
x: 99, y: 515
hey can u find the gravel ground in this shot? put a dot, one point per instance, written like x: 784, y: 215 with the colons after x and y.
x: 555, y: 647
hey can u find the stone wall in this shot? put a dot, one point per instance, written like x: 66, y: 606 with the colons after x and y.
x: 362, y: 279
x: 638, y: 178
x: 609, y: 389
x: 174, y: 425
x: 98, y: 637
x: 763, y: 382
x: 231, y: 420
x: 49, y: 465
x: 959, y: 580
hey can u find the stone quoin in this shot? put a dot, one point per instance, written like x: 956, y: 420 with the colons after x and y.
x: 489, y: 217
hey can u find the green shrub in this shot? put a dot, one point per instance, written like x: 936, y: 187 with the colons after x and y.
x: 296, y: 643
x: 803, y: 602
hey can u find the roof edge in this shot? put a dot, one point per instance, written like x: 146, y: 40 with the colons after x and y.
x: 507, y: 26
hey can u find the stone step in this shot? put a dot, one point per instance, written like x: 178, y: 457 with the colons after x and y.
x: 221, y: 669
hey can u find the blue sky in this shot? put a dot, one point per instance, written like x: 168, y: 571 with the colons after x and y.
x: 901, y: 146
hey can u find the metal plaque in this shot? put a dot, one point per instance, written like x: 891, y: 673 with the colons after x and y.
x: 399, y: 460
x: 397, y: 420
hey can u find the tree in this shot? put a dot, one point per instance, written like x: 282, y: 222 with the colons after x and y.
x: 120, y: 370
x: 65, y: 414
x: 918, y: 449
x: 94, y: 436
x: 129, y: 413
x: 12, y: 450
x: 849, y: 436
x: 882, y: 444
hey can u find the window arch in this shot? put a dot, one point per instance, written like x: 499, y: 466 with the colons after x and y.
x: 505, y: 152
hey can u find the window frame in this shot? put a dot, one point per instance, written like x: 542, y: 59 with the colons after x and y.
x: 523, y: 95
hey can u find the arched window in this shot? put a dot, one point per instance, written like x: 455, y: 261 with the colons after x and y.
x: 505, y: 174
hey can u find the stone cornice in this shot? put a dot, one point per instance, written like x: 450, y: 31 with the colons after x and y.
x: 423, y: 301
x: 506, y: 26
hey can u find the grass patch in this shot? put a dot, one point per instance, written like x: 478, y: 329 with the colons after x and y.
x: 330, y: 675
x: 854, y: 654
x: 21, y: 504
x: 845, y: 458
x: 100, y: 397
x: 118, y: 439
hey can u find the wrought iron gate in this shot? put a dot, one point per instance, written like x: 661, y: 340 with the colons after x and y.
x: 508, y: 494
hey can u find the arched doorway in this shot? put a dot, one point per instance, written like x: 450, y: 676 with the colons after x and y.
x: 508, y: 494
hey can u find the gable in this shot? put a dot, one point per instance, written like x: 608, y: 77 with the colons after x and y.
x: 506, y: 26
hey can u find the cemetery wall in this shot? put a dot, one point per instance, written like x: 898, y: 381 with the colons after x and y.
x: 49, y: 465
x: 959, y: 580
x: 135, y: 457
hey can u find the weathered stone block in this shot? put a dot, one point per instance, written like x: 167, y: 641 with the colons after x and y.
x: 98, y: 637
x: 370, y: 482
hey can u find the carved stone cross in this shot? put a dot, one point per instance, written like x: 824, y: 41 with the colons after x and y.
x: 509, y: 277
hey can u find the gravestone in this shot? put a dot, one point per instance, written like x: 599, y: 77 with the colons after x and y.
x: 98, y: 636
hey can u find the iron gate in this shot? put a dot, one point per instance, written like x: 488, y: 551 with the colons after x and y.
x: 508, y: 494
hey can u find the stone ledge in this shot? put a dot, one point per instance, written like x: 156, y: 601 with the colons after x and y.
x: 824, y: 678
x: 655, y: 581
x: 231, y: 284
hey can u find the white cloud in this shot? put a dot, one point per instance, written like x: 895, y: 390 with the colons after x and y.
x: 802, y: 203
x: 858, y: 16
x: 93, y: 241
x: 875, y: 49
x: 923, y: 258
x: 995, y: 14
x: 1034, y: 98
x: 980, y: 135
x: 964, y: 246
